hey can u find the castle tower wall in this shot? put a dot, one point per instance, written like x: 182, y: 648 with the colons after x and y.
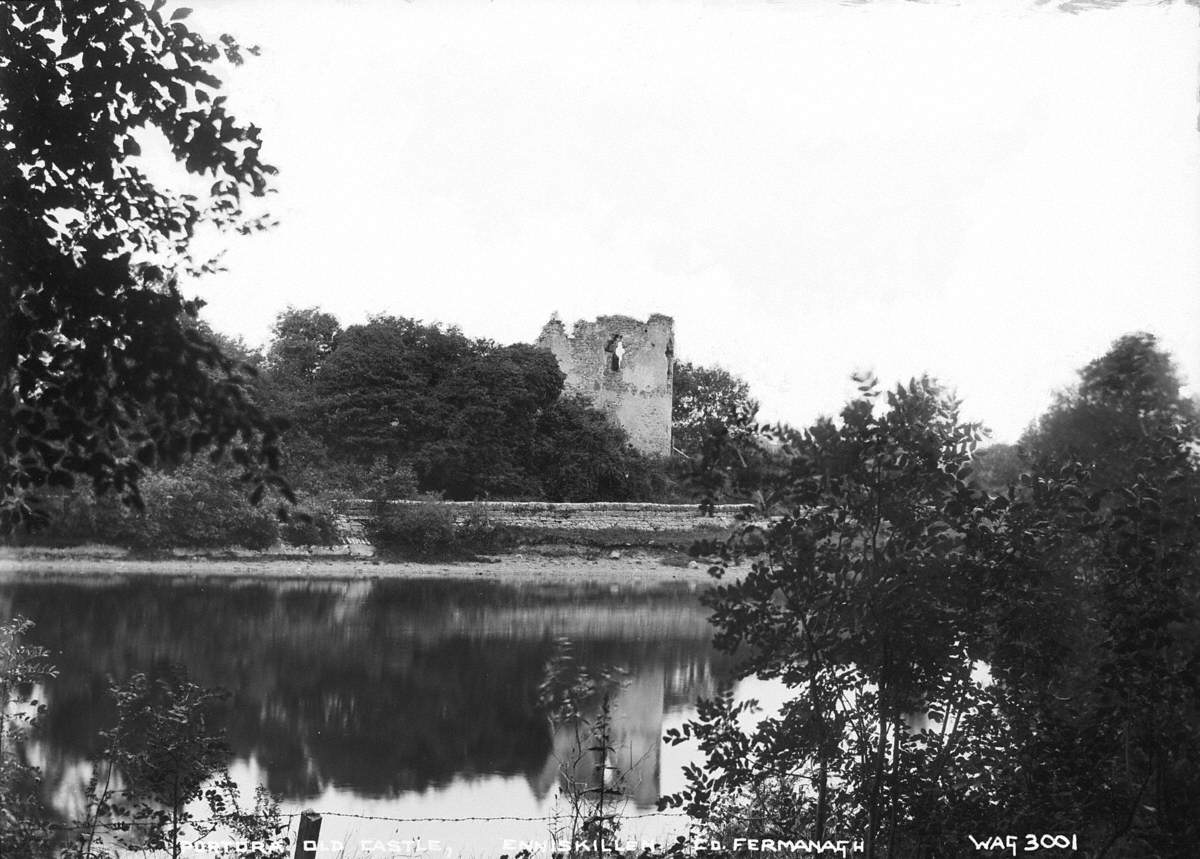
x: 638, y: 394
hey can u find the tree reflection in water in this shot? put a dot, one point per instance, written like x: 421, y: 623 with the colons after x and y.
x: 375, y: 688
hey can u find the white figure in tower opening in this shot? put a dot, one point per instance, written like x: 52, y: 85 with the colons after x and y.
x: 615, y: 350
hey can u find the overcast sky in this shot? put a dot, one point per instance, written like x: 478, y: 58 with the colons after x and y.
x: 986, y: 194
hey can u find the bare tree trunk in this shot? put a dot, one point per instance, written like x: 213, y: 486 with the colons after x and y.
x: 893, y: 788
x: 873, y: 813
x: 822, y: 799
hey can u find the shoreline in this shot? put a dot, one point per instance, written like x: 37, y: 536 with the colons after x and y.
x: 631, y: 567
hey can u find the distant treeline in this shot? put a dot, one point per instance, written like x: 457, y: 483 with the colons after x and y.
x: 397, y: 409
x: 400, y: 409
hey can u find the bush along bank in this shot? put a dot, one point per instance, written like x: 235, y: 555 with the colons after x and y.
x: 199, y: 506
x: 432, y: 530
x: 203, y: 509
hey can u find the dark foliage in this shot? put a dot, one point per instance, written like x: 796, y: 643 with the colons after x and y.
x: 433, y: 530
x: 415, y: 530
x: 100, y: 374
x: 315, y: 526
x: 490, y: 408
x: 195, y: 506
x: 1124, y: 400
x: 166, y: 748
x: 25, y: 822
x: 301, y: 341
x: 397, y: 407
x: 864, y: 598
x: 163, y: 752
x: 707, y: 400
x: 376, y: 393
x: 966, y: 658
x: 579, y: 455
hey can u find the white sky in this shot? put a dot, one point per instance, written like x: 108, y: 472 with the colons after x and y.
x: 988, y: 194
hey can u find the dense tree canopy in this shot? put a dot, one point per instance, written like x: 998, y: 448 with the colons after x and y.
x: 301, y: 341
x: 467, y: 418
x: 707, y: 400
x: 379, y: 391
x: 492, y: 410
x: 100, y: 375
x: 1123, y: 399
x: 864, y: 598
x: 965, y: 660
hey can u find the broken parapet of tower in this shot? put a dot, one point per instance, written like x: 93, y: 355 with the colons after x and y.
x: 625, y: 368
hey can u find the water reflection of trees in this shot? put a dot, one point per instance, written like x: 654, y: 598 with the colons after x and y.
x: 379, y: 688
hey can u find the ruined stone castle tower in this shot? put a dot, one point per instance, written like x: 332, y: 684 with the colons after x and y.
x: 625, y: 368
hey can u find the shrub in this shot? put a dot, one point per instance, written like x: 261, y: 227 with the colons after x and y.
x: 386, y: 482
x: 314, y: 526
x: 430, y: 529
x: 479, y: 532
x: 578, y: 455
x: 25, y: 821
x: 413, y: 529
x: 167, y: 747
x: 200, y: 506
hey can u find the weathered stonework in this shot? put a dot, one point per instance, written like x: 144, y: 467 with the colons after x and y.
x: 631, y: 382
x: 579, y: 516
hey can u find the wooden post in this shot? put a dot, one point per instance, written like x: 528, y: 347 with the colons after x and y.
x: 309, y: 831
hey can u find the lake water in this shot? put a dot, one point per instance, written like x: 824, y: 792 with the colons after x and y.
x: 386, y: 699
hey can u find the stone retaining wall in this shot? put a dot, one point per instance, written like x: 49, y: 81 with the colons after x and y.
x: 594, y: 516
